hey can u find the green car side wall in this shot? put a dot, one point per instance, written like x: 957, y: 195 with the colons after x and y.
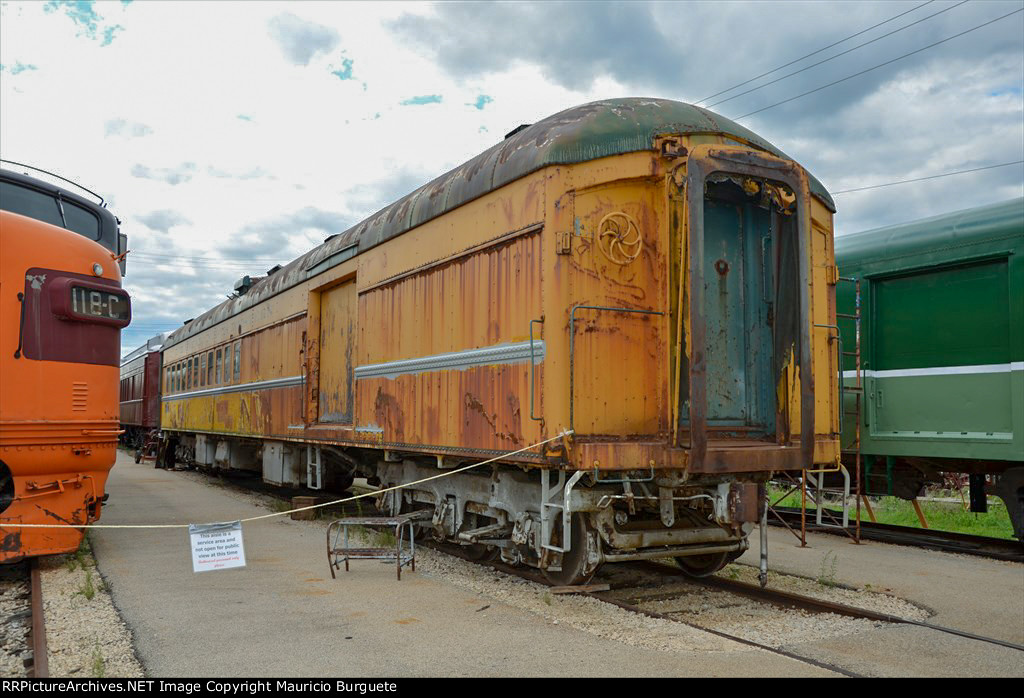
x: 942, y: 335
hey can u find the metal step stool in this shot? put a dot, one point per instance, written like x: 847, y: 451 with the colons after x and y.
x: 403, y: 526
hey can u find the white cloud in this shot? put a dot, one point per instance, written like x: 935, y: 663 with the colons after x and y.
x: 230, y: 120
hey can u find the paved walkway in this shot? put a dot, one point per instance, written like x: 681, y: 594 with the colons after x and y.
x: 284, y: 616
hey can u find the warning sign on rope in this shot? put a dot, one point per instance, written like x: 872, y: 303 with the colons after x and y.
x: 216, y: 546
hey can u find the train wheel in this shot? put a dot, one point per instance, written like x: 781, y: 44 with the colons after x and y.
x: 575, y: 566
x: 703, y: 565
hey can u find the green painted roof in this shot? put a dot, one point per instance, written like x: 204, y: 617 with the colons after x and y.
x: 948, y: 231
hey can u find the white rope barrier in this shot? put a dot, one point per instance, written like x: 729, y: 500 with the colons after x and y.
x: 375, y: 493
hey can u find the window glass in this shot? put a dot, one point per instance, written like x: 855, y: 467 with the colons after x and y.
x: 209, y: 367
x: 31, y: 203
x: 188, y: 374
x: 238, y: 359
x: 81, y: 221
x: 202, y: 369
x: 217, y: 368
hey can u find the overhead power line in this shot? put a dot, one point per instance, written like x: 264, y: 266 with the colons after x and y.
x: 842, y: 53
x: 880, y: 65
x: 814, y: 53
x: 921, y: 179
x: 240, y: 264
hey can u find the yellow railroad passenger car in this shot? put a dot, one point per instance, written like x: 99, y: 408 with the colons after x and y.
x: 653, y: 280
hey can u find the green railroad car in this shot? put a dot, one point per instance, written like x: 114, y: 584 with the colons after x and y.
x: 942, y: 352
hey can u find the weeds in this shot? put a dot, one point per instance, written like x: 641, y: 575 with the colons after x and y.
x: 88, y: 589
x: 99, y: 665
x: 827, y: 573
x: 547, y: 598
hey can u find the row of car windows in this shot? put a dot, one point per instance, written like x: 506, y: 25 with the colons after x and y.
x: 130, y: 387
x: 220, y: 366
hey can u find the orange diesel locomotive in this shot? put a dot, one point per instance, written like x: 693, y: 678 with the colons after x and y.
x: 61, y: 313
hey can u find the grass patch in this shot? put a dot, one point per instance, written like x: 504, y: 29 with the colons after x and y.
x: 98, y: 668
x: 827, y: 573
x: 88, y: 588
x: 941, y: 516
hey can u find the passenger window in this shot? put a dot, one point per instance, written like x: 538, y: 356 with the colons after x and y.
x: 209, y: 368
x: 217, y: 369
x: 238, y: 360
x: 188, y: 375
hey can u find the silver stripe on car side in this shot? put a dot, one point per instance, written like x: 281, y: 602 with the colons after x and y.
x: 240, y: 388
x: 939, y: 371
x: 456, y: 360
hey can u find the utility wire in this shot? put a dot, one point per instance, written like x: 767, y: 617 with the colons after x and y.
x: 880, y: 65
x: 842, y: 53
x: 186, y: 263
x: 814, y: 53
x: 921, y: 179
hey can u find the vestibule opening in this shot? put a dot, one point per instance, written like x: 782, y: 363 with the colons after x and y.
x: 748, y: 269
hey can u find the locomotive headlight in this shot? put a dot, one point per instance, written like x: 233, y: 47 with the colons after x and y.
x: 97, y: 269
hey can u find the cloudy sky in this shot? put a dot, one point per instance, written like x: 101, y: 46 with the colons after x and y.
x: 232, y: 136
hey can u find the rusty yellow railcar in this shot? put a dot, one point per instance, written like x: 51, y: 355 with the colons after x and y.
x: 648, y: 279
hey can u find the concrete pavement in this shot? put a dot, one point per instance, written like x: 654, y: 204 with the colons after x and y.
x: 282, y: 615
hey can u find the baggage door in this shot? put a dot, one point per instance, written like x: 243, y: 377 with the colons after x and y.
x: 337, y: 347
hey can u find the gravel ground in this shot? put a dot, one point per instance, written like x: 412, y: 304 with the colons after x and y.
x: 15, y: 620
x: 85, y: 636
x: 754, y: 620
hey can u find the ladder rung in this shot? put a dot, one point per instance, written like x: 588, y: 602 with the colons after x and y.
x: 555, y: 506
x: 848, y: 315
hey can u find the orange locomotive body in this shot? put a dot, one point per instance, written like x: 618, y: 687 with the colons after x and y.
x: 61, y: 312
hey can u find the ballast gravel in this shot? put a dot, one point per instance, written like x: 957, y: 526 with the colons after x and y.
x: 762, y: 622
x: 86, y: 637
x: 15, y: 621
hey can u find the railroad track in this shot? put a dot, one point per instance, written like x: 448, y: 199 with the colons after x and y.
x: 965, y: 544
x: 40, y: 657
x: 636, y: 594
x: 23, y: 628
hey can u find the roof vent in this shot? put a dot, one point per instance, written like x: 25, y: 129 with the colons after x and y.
x: 273, y: 269
x: 243, y: 285
x: 517, y: 129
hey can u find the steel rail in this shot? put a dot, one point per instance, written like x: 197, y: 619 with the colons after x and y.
x: 40, y: 659
x: 947, y: 541
x: 808, y: 603
x: 532, y: 575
